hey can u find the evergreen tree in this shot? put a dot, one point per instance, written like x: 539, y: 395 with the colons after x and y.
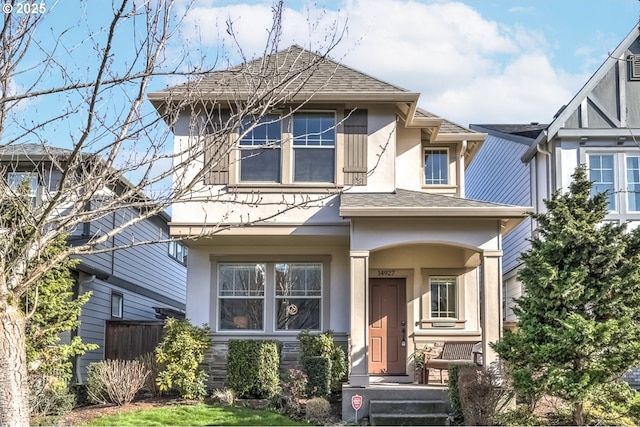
x: 50, y: 308
x: 578, y: 316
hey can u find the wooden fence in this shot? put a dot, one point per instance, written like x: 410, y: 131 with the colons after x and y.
x: 129, y: 339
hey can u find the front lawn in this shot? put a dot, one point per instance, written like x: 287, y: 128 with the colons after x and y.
x: 196, y: 415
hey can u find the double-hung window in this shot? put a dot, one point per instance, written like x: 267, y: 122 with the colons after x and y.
x: 444, y: 297
x: 602, y: 174
x: 436, y: 166
x: 241, y: 296
x: 260, y: 150
x: 298, y: 295
x: 314, y: 144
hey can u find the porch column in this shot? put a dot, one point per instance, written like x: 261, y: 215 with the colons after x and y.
x: 491, y: 303
x: 359, y: 325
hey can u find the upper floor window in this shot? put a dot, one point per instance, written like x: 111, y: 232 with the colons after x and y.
x: 260, y: 150
x: 444, y: 297
x: 436, y: 166
x: 314, y: 143
x: 633, y: 183
x: 15, y: 179
x: 178, y: 251
x: 601, y: 173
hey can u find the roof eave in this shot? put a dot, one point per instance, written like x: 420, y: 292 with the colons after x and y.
x: 157, y: 98
x: 497, y: 212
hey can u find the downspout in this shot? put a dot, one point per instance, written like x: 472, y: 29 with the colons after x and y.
x: 463, y: 152
x: 547, y: 155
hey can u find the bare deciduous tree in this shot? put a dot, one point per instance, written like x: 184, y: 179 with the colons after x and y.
x: 112, y: 134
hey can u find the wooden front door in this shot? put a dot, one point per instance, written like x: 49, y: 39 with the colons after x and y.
x: 387, y: 327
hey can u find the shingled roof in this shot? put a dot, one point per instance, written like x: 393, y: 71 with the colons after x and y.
x: 302, y: 73
x: 416, y: 204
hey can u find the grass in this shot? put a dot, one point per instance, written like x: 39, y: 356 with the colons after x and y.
x: 196, y: 415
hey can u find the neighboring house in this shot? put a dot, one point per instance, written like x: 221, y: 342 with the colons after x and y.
x: 599, y: 127
x: 140, y: 283
x: 385, y: 250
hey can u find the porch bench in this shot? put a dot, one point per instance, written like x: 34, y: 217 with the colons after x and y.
x: 459, y: 352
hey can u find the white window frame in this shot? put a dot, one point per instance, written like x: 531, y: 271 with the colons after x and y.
x: 450, y: 281
x: 117, y: 303
x: 178, y: 252
x: 15, y: 178
x: 334, y: 147
x: 279, y: 298
x: 627, y: 183
x: 446, y: 168
x: 270, y: 298
x: 266, y: 144
x: 255, y: 296
x: 615, y: 172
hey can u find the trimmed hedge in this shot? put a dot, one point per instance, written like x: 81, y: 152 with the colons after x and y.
x: 318, y: 369
x: 324, y: 345
x: 253, y: 368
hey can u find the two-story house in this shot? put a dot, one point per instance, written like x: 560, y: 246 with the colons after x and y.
x: 343, y: 208
x: 139, y: 283
x: 599, y: 127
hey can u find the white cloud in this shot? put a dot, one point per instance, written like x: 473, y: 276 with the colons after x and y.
x: 467, y: 68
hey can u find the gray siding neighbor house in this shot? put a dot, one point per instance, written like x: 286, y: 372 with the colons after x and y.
x: 141, y: 283
x: 599, y: 127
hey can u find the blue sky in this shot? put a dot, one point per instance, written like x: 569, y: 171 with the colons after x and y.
x: 473, y: 61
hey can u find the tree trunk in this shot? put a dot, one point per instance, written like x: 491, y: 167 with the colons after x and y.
x: 578, y: 413
x: 14, y: 393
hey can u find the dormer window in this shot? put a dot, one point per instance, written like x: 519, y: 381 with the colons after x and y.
x: 436, y: 166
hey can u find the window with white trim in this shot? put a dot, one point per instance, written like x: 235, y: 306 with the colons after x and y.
x: 15, y: 179
x: 314, y: 144
x: 633, y: 183
x: 241, y: 296
x: 178, y: 252
x: 436, y: 166
x: 260, y: 154
x: 602, y: 174
x: 298, y: 296
x: 117, y: 305
x: 444, y: 297
x: 288, y: 293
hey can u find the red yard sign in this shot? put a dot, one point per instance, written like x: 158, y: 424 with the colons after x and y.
x: 356, y: 402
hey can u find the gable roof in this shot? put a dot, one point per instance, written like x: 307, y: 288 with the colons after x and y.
x: 300, y: 73
x: 566, y: 111
x: 521, y: 133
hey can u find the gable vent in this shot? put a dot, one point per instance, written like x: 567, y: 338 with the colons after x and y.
x: 634, y: 67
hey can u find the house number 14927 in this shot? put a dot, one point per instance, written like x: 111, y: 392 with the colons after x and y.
x: 386, y: 273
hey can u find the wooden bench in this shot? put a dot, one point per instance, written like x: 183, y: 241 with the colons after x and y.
x: 452, y: 352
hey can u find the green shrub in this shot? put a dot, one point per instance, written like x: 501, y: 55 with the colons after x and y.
x: 182, y: 351
x: 317, y: 410
x: 521, y: 416
x: 253, y: 368
x: 224, y: 396
x: 454, y: 393
x: 318, y: 369
x: 324, y: 345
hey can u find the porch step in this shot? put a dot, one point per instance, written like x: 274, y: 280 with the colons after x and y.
x: 408, y: 412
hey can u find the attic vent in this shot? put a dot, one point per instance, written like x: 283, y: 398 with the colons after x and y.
x: 634, y: 67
